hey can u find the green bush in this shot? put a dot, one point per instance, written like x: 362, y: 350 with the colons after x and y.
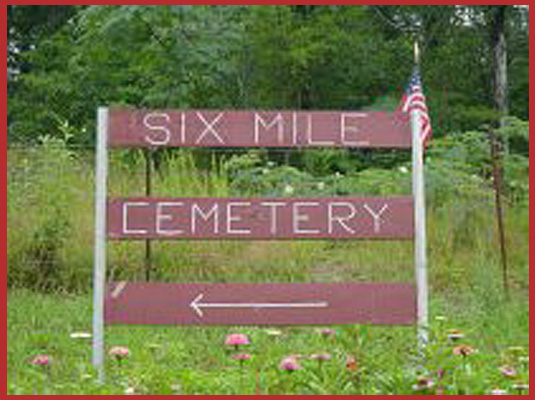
x: 42, y: 191
x: 322, y: 162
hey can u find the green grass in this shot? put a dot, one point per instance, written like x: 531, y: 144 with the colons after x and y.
x: 49, y: 244
x: 196, y: 360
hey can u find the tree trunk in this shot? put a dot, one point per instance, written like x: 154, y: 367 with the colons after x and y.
x: 499, y: 45
x: 501, y: 106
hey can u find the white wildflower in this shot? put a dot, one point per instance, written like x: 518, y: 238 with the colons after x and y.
x: 81, y: 335
x: 273, y: 332
x: 130, y: 391
x: 289, y: 190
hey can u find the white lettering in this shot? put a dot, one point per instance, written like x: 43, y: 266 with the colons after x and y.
x: 376, y: 216
x: 310, y: 133
x: 163, y: 133
x: 346, y: 128
x: 161, y: 217
x: 183, y: 127
x: 210, y: 127
x: 298, y: 218
x: 341, y: 220
x: 274, y: 220
x: 233, y: 218
x: 295, y: 132
x: 213, y: 213
x: 277, y: 121
x: 126, y: 229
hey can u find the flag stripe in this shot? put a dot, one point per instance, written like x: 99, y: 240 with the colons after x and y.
x: 414, y: 100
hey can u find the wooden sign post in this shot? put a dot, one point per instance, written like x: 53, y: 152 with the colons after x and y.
x: 256, y: 219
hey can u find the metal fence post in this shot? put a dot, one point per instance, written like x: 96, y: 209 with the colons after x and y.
x: 101, y: 176
x: 420, y: 243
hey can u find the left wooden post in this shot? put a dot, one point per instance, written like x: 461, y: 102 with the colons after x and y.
x: 99, y: 280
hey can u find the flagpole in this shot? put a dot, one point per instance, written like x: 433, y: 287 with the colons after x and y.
x: 416, y: 53
x: 420, y: 240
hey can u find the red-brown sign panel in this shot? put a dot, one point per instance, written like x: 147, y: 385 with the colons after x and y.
x: 260, y: 218
x: 262, y: 304
x: 172, y: 128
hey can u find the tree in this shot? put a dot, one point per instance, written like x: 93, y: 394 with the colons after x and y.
x: 28, y: 25
x: 67, y: 60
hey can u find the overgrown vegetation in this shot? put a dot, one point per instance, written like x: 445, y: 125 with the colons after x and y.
x: 50, y: 249
x: 50, y: 214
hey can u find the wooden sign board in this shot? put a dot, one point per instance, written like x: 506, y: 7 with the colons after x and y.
x: 172, y: 128
x: 259, y: 304
x: 260, y: 218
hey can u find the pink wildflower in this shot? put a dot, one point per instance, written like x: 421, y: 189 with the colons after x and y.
x: 241, y: 357
x: 120, y: 353
x: 509, y: 372
x: 423, y: 384
x: 328, y: 332
x: 290, y: 364
x: 40, y: 360
x: 321, y: 357
x: 463, y: 350
x: 237, y: 339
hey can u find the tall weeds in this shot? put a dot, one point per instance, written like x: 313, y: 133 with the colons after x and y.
x: 50, y: 227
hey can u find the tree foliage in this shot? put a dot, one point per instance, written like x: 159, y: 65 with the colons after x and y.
x: 64, y: 61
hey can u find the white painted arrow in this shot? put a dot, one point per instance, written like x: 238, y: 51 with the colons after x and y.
x: 197, y: 305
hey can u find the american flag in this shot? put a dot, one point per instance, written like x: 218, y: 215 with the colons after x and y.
x: 414, y: 99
